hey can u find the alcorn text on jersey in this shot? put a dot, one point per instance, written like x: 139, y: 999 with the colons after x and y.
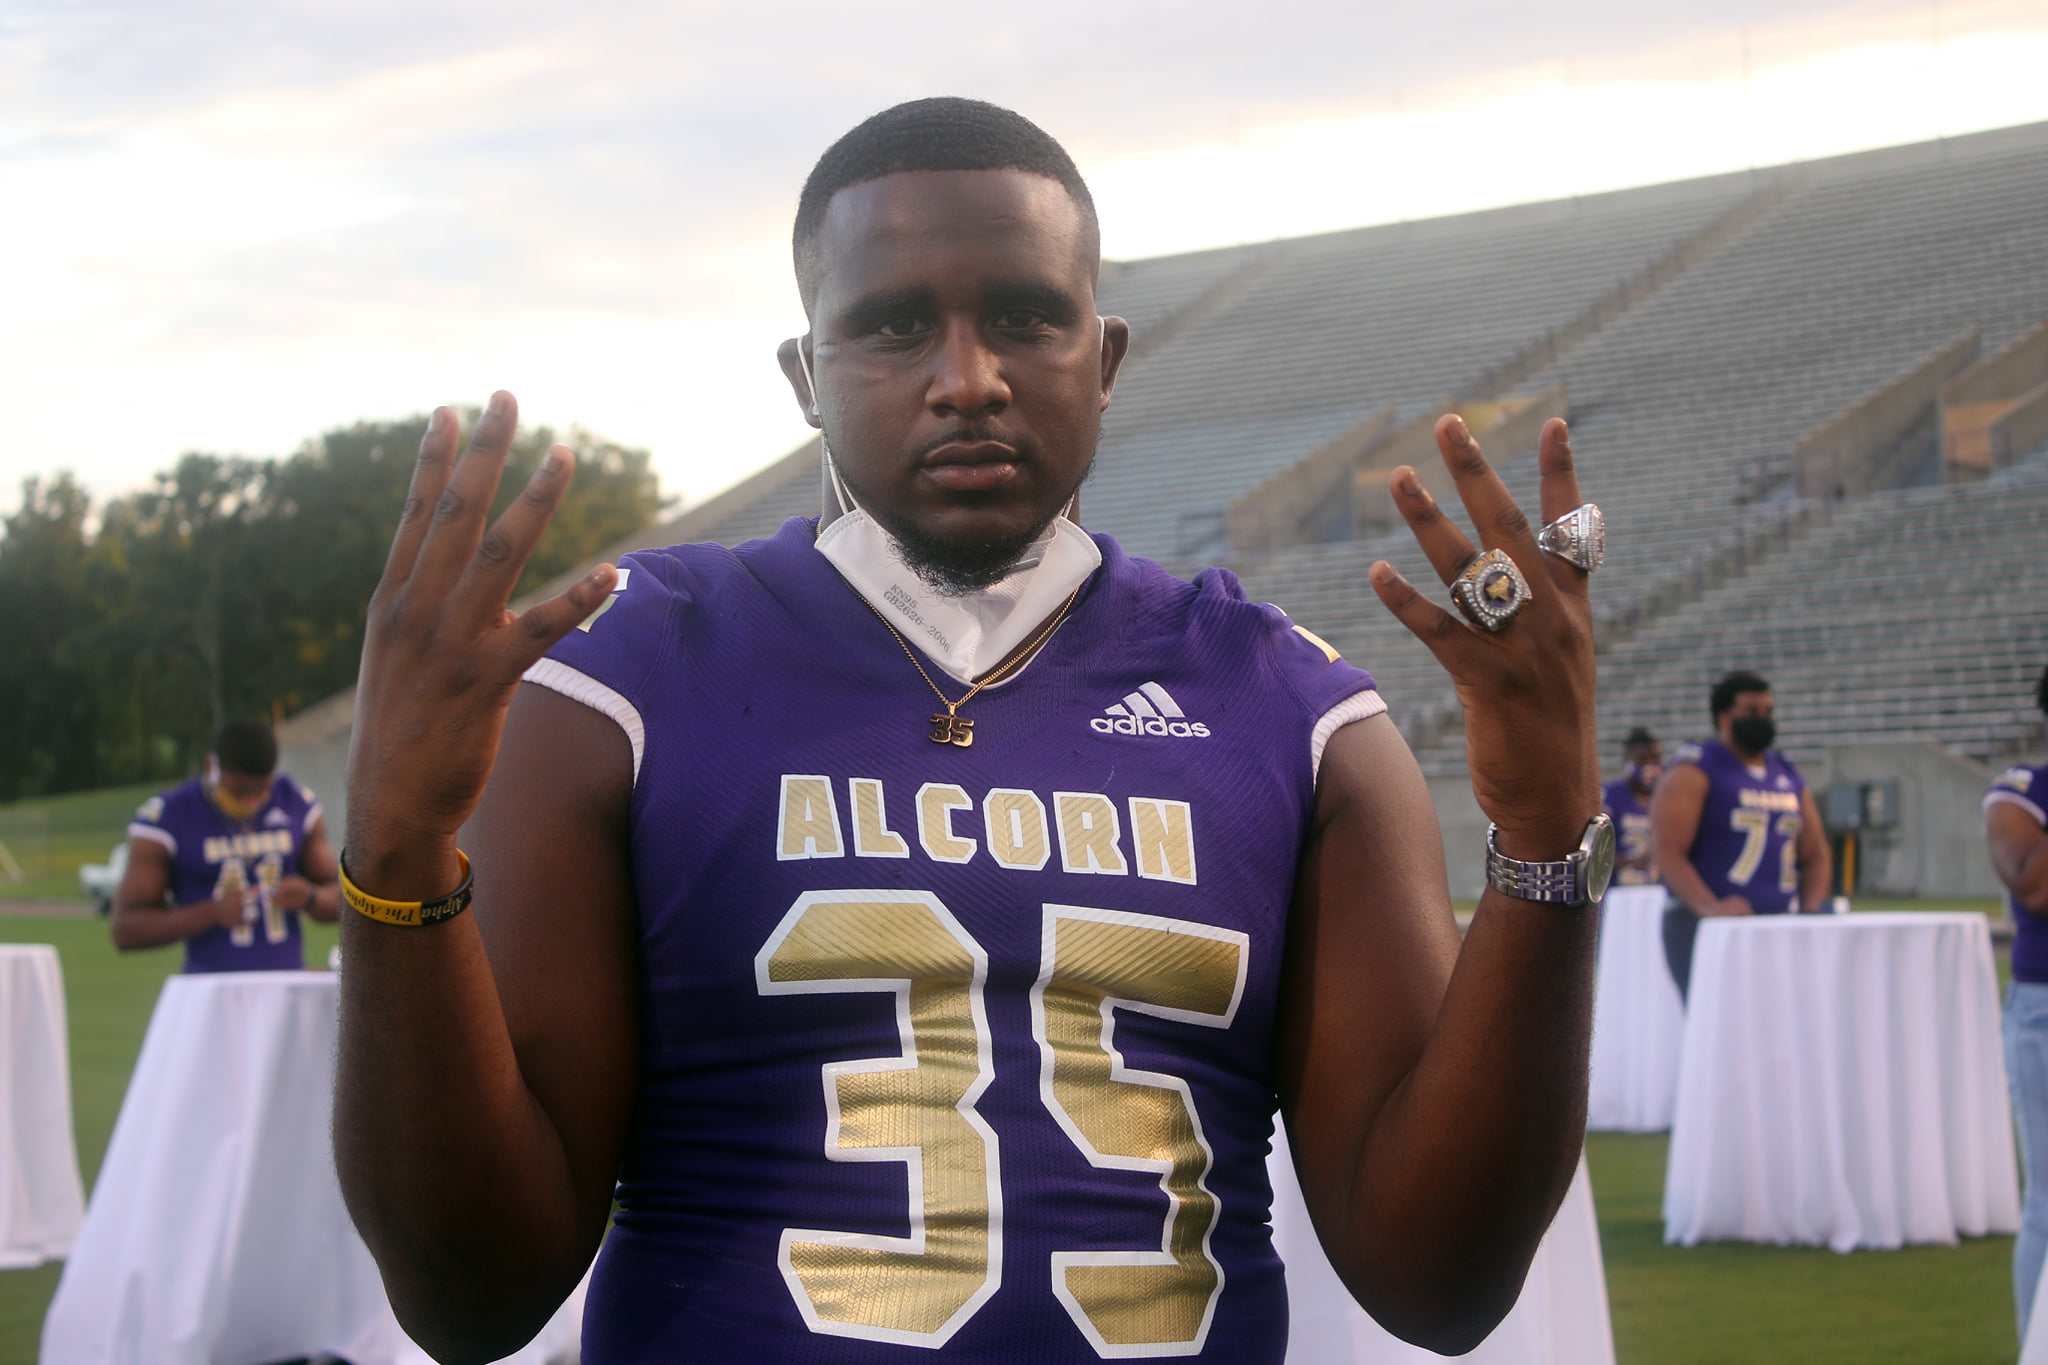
x: 1747, y: 843
x: 214, y: 855
x: 953, y: 1052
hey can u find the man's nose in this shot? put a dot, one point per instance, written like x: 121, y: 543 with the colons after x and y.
x: 967, y: 376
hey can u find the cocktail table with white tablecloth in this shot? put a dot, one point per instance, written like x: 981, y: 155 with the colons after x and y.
x: 1561, y: 1318
x: 1842, y: 1084
x: 216, y: 1233
x: 1637, y: 1017
x: 41, y: 1199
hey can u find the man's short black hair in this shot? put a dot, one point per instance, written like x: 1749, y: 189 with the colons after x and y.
x: 1722, y: 699
x: 2041, y: 692
x: 946, y: 133
x: 246, y: 747
x: 1640, y: 735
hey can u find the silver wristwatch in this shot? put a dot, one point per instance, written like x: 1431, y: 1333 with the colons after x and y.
x: 1579, y: 879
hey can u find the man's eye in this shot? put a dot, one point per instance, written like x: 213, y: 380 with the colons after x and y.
x: 1014, y: 319
x: 901, y: 327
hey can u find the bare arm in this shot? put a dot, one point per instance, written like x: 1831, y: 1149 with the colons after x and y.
x: 1674, y: 821
x: 2019, y: 853
x: 141, y: 920
x: 485, y: 1063
x: 1435, y: 1114
x: 1438, y: 1111
x: 316, y: 894
x: 1816, y: 859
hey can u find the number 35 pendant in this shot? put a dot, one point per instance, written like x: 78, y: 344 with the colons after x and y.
x: 951, y: 729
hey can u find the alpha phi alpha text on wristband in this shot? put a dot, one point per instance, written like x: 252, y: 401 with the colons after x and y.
x: 408, y: 912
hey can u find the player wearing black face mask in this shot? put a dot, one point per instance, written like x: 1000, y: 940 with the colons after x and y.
x: 1736, y: 830
x: 1752, y: 735
x: 1627, y: 802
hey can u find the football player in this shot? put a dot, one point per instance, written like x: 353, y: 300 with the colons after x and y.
x: 2015, y: 814
x: 227, y: 862
x: 829, y: 921
x: 1627, y: 802
x: 1737, y: 831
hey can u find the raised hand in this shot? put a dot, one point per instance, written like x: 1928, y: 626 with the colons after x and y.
x: 1527, y: 689
x: 442, y: 655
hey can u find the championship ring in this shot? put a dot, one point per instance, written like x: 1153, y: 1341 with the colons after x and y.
x: 1490, y: 591
x: 1579, y: 537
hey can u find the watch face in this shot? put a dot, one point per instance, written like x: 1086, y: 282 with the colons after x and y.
x: 1599, y: 856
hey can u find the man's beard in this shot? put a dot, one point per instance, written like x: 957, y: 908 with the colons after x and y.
x: 955, y: 568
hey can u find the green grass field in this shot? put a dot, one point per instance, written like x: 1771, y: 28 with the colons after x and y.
x: 48, y: 839
x: 1711, y: 1305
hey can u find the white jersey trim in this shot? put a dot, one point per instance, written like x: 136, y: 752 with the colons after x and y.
x: 1358, y: 706
x: 155, y: 835
x: 1997, y: 795
x: 577, y: 686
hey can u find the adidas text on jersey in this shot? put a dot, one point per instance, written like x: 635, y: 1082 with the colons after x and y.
x: 1151, y: 710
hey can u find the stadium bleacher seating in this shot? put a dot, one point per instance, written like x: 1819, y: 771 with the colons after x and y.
x: 1916, y: 612
x: 1685, y: 413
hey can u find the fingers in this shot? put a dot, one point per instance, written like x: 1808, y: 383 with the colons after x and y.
x: 1445, y: 635
x: 1560, y: 496
x: 1500, y: 523
x: 535, y: 633
x: 1560, y: 476
x: 458, y: 519
x: 1448, y: 549
x: 501, y: 555
x: 429, y: 477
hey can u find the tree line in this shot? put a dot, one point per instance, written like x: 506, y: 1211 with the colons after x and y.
x: 229, y: 586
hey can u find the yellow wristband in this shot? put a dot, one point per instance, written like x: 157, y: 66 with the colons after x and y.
x: 408, y: 912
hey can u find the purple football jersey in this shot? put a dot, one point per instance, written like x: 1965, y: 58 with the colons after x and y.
x: 1747, y: 843
x: 2026, y: 788
x: 1631, y: 831
x: 214, y: 855
x: 948, y: 1049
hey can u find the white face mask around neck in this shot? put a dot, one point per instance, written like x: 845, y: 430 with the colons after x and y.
x: 969, y: 633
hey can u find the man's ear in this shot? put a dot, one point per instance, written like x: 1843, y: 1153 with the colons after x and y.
x: 790, y: 355
x: 1116, y: 344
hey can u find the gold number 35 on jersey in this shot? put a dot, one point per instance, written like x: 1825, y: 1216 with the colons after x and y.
x: 918, y: 1108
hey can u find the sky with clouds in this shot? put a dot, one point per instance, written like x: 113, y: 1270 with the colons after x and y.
x: 230, y: 224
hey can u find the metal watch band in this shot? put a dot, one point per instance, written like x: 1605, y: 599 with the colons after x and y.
x: 1558, y: 883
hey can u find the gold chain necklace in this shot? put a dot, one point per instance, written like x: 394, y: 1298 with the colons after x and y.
x: 949, y: 726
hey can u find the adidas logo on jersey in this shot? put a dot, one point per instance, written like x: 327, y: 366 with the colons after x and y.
x: 274, y: 816
x: 1151, y: 710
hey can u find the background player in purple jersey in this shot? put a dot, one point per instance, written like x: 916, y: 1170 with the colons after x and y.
x: 1627, y: 802
x: 2015, y: 813
x: 226, y: 863
x: 732, y: 902
x: 1737, y: 830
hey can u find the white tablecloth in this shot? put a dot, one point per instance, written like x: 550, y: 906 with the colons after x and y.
x: 1637, y: 1017
x: 1842, y: 1084
x: 41, y: 1199
x: 1561, y: 1318
x: 216, y: 1233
